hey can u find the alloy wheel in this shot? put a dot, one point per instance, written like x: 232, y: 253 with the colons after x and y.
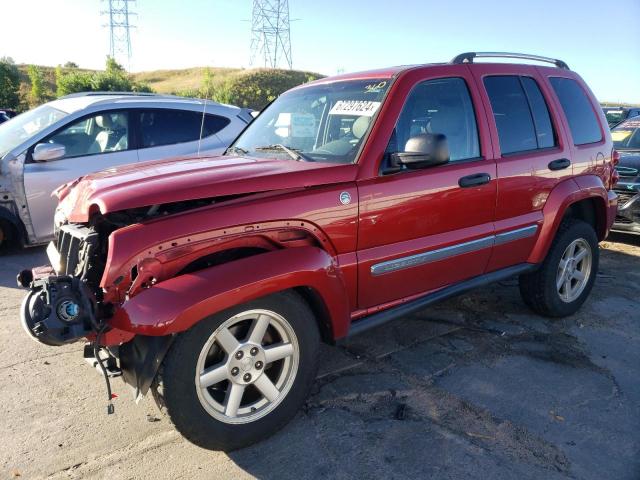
x: 247, y: 366
x: 574, y: 270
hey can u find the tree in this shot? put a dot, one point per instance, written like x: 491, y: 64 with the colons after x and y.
x: 257, y: 88
x: 38, y: 93
x: 113, y: 79
x: 207, y: 89
x: 72, y: 82
x: 71, y: 65
x: 9, y: 83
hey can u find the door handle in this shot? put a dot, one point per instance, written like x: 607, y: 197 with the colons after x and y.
x: 474, y: 180
x: 559, y: 164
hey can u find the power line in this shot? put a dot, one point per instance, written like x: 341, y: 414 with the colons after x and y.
x: 118, y: 16
x: 270, y: 33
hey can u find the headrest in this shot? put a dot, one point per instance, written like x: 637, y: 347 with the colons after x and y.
x: 360, y: 126
x: 104, y: 121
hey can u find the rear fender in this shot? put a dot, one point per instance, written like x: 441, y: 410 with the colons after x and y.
x: 560, y: 199
x: 174, y: 305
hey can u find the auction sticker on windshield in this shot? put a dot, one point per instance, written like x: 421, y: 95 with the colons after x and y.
x: 361, y: 108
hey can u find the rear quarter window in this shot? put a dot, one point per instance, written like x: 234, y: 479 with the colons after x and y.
x: 583, y: 122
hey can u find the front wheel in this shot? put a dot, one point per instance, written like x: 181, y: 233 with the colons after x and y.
x: 239, y: 376
x: 563, y: 282
x: 8, y: 236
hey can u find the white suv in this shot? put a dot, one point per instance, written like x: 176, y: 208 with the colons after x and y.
x: 83, y: 133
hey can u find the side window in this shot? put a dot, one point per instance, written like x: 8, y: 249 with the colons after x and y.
x: 102, y: 133
x: 168, y: 127
x: 512, y: 114
x: 440, y: 106
x: 540, y: 113
x: 583, y: 122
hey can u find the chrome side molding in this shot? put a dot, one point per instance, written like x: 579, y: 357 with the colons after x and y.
x: 401, y: 263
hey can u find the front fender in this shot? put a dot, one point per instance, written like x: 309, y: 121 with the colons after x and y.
x: 176, y: 304
x: 561, y: 198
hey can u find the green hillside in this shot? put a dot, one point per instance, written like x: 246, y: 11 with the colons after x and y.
x: 252, y: 88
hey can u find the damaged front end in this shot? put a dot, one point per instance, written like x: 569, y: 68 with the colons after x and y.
x: 62, y: 305
x: 65, y: 304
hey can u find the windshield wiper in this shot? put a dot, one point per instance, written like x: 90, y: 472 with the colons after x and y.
x: 292, y: 152
x: 236, y: 150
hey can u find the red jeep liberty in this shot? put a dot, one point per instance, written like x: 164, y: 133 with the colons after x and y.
x: 348, y: 202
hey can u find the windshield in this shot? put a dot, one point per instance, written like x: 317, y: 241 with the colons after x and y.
x: 322, y: 123
x: 626, y: 136
x: 614, y: 115
x: 22, y: 127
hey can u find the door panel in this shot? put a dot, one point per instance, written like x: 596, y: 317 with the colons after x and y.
x: 422, y: 213
x: 524, y: 179
x: 419, y: 229
x: 41, y: 179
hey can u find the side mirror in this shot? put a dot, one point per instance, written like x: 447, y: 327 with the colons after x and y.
x: 45, y: 152
x: 422, y: 151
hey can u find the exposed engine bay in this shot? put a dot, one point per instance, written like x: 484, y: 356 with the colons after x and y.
x: 66, y: 303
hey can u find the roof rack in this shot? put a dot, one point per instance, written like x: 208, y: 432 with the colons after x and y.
x: 469, y: 56
x: 118, y: 94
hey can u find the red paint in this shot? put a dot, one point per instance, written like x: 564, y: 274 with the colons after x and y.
x: 186, y: 299
x: 291, y: 210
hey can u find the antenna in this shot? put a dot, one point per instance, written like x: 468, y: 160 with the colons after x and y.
x: 119, y: 29
x: 270, y: 33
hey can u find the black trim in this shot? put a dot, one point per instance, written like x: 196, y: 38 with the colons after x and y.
x: 468, y: 57
x: 140, y: 360
x: 420, y: 303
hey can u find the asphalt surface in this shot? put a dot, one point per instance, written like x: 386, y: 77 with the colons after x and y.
x: 477, y: 387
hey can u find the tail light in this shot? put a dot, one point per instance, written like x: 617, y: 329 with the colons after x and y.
x: 615, y: 176
x: 615, y: 157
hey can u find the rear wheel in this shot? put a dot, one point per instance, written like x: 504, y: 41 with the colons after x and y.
x: 239, y: 376
x: 565, y: 278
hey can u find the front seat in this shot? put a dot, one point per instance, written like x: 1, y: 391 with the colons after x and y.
x: 113, y: 136
x: 359, y: 127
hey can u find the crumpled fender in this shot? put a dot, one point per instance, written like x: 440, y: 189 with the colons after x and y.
x: 562, y: 197
x: 176, y: 304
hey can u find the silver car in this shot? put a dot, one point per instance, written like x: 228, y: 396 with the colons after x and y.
x: 83, y: 133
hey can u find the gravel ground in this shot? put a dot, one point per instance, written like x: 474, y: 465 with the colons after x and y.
x: 476, y: 387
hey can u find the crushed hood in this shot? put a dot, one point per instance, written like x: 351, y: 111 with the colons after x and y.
x: 176, y: 180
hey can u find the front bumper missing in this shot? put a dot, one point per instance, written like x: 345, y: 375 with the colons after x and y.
x: 58, y: 310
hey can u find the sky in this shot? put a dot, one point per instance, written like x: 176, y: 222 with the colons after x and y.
x: 598, y: 39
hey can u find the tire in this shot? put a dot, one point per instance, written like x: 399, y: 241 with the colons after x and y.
x: 205, y: 414
x: 540, y: 290
x: 8, y: 236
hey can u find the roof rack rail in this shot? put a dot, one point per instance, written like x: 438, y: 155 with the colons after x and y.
x: 469, y: 56
x: 119, y: 94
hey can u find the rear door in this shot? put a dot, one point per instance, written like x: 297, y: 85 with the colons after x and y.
x: 530, y: 152
x: 165, y: 133
x: 423, y: 229
x: 93, y: 143
x: 584, y: 119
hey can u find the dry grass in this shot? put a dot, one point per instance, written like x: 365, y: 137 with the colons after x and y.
x: 171, y: 81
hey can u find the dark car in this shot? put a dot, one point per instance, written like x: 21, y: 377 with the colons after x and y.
x: 626, y: 139
x: 3, y: 117
x: 615, y: 115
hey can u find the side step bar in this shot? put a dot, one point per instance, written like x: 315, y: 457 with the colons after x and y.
x: 377, y: 319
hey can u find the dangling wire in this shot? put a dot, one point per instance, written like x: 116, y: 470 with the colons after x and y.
x: 96, y: 353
